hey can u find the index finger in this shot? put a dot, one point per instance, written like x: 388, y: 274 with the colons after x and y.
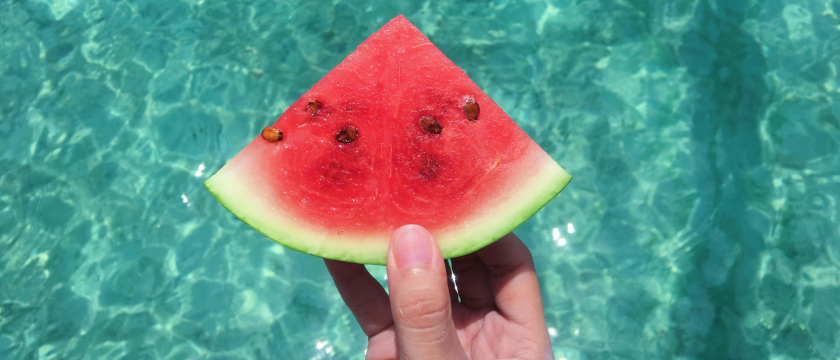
x: 514, y: 280
x: 363, y: 295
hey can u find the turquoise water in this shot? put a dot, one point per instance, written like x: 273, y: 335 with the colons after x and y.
x: 704, y: 136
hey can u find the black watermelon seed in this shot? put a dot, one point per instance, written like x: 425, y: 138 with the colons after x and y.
x: 314, y: 106
x: 431, y: 125
x: 347, y: 134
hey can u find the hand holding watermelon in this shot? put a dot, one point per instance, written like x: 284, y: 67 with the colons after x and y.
x: 499, y: 314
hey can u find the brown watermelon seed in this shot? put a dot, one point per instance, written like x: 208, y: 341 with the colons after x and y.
x: 429, y: 168
x: 314, y: 106
x: 471, y: 109
x: 430, y: 124
x: 272, y: 134
x: 347, y: 134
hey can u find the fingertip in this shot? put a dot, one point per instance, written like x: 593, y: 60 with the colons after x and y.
x: 342, y: 271
x: 505, y: 255
x: 338, y: 264
x: 330, y: 263
x: 412, y: 245
x: 411, y: 228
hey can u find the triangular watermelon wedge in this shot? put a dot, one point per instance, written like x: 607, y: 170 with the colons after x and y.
x: 396, y: 134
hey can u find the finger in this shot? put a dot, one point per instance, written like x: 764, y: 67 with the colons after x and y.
x: 420, y: 301
x: 382, y: 346
x: 514, y: 280
x: 364, y: 296
x: 473, y: 280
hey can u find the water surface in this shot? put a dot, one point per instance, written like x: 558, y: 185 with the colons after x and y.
x: 704, y: 136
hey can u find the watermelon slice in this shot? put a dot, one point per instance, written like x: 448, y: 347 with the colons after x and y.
x: 396, y: 134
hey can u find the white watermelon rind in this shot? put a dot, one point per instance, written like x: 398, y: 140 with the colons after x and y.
x: 242, y: 193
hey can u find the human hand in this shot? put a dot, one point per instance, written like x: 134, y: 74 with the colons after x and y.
x: 499, y: 315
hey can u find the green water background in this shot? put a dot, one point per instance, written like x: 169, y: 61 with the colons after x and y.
x: 704, y: 138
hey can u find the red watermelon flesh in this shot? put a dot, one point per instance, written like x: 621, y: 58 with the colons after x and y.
x: 420, y: 155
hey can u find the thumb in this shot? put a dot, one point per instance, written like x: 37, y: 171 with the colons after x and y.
x: 420, y: 297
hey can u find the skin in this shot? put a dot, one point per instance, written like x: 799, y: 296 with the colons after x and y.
x: 499, y: 314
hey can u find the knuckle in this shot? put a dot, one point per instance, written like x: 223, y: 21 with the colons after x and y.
x: 518, y: 259
x: 367, y: 308
x: 344, y: 277
x: 424, y: 309
x: 516, y: 264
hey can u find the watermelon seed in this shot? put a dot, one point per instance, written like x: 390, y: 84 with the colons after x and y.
x: 429, y: 168
x: 347, y: 134
x: 430, y: 124
x: 314, y: 106
x: 471, y: 109
x: 272, y: 134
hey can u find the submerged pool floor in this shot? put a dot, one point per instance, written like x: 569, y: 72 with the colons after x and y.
x: 704, y: 137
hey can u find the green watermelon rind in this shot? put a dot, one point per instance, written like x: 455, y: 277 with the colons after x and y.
x: 459, y: 246
x: 238, y: 192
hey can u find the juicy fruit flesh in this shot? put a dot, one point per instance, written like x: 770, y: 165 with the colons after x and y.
x: 391, y: 171
x: 430, y: 177
x: 395, y: 134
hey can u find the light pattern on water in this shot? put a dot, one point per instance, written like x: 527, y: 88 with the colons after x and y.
x: 704, y: 137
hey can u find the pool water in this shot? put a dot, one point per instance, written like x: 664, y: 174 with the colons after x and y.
x: 704, y: 137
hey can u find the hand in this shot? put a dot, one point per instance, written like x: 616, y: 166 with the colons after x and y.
x: 499, y: 315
